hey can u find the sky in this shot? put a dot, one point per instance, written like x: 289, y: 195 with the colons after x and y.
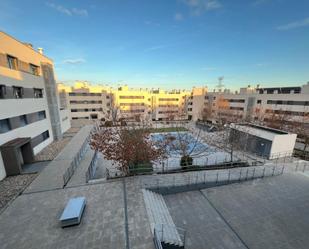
x: 167, y: 43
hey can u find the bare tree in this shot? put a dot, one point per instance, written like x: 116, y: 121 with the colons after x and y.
x: 301, y: 128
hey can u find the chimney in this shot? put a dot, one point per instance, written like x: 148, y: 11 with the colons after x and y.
x: 40, y: 50
x: 28, y: 44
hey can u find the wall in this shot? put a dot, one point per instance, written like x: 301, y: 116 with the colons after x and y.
x: 283, y: 144
x: 16, y: 107
x: 65, y: 120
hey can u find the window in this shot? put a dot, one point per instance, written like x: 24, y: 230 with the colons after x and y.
x: 259, y: 101
x: 131, y: 97
x: 45, y: 135
x: 5, y: 125
x: 12, y: 62
x: 168, y: 99
x: 236, y: 100
x: 18, y: 92
x: 23, y: 120
x: 34, y: 69
x: 41, y: 115
x: 38, y: 93
x: 2, y: 91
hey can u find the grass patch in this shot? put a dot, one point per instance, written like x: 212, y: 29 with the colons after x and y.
x: 167, y: 129
x: 141, y: 168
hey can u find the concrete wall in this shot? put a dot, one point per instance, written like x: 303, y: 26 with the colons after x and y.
x: 65, y: 120
x: 283, y: 144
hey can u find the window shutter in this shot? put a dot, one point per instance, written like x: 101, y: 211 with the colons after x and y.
x: 23, y: 66
x: 3, y: 60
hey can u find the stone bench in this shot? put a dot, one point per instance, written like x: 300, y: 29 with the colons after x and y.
x: 73, y: 212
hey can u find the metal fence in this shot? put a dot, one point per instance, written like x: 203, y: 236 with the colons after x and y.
x: 92, y: 167
x: 204, y: 179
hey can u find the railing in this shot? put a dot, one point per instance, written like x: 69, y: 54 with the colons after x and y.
x: 159, y: 234
x: 197, y: 180
x: 158, y: 169
x: 157, y: 240
x: 76, y: 160
x: 283, y: 154
x: 92, y: 167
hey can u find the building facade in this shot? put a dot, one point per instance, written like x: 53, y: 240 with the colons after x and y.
x: 29, y: 103
x: 261, y: 105
x: 97, y: 102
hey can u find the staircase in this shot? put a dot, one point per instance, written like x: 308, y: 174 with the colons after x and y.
x: 161, y: 222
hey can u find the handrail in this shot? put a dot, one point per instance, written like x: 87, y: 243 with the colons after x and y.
x: 76, y: 160
x: 92, y: 167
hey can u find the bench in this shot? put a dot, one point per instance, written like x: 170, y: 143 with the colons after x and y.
x: 73, y: 212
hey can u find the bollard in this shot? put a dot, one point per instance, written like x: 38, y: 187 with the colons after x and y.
x: 240, y: 175
x: 273, y: 171
x: 253, y: 173
x: 247, y: 174
x: 263, y: 173
x: 217, y: 177
x: 304, y: 167
x: 297, y: 166
x: 204, y: 177
x: 282, y: 169
x: 228, y: 179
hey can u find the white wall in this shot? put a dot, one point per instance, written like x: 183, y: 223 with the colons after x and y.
x: 65, y: 120
x: 283, y: 144
x: 2, y: 170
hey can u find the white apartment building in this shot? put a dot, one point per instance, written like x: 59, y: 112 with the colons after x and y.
x: 255, y: 104
x: 30, y: 117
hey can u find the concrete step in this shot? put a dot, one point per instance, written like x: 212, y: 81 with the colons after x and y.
x: 158, y: 214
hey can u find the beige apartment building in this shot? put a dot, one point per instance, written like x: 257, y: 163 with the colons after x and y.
x: 96, y: 102
x: 30, y: 116
x: 85, y: 101
x: 254, y: 104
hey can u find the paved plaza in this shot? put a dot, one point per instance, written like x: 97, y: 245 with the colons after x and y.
x: 264, y: 213
x: 268, y: 207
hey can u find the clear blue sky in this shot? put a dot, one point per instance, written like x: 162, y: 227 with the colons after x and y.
x: 168, y: 43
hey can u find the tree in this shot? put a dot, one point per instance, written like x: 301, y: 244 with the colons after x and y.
x: 187, y: 145
x: 236, y: 140
x: 127, y: 146
x: 206, y: 113
x: 302, y: 130
x: 277, y: 119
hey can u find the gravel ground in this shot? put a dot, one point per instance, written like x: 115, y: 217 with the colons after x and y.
x: 11, y: 186
x: 52, y: 150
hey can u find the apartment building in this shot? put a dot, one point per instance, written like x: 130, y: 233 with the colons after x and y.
x: 30, y: 117
x: 196, y: 103
x: 259, y: 104
x: 170, y: 105
x: 87, y: 101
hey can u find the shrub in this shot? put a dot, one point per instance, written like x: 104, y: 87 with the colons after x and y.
x: 108, y: 123
x: 186, y: 161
